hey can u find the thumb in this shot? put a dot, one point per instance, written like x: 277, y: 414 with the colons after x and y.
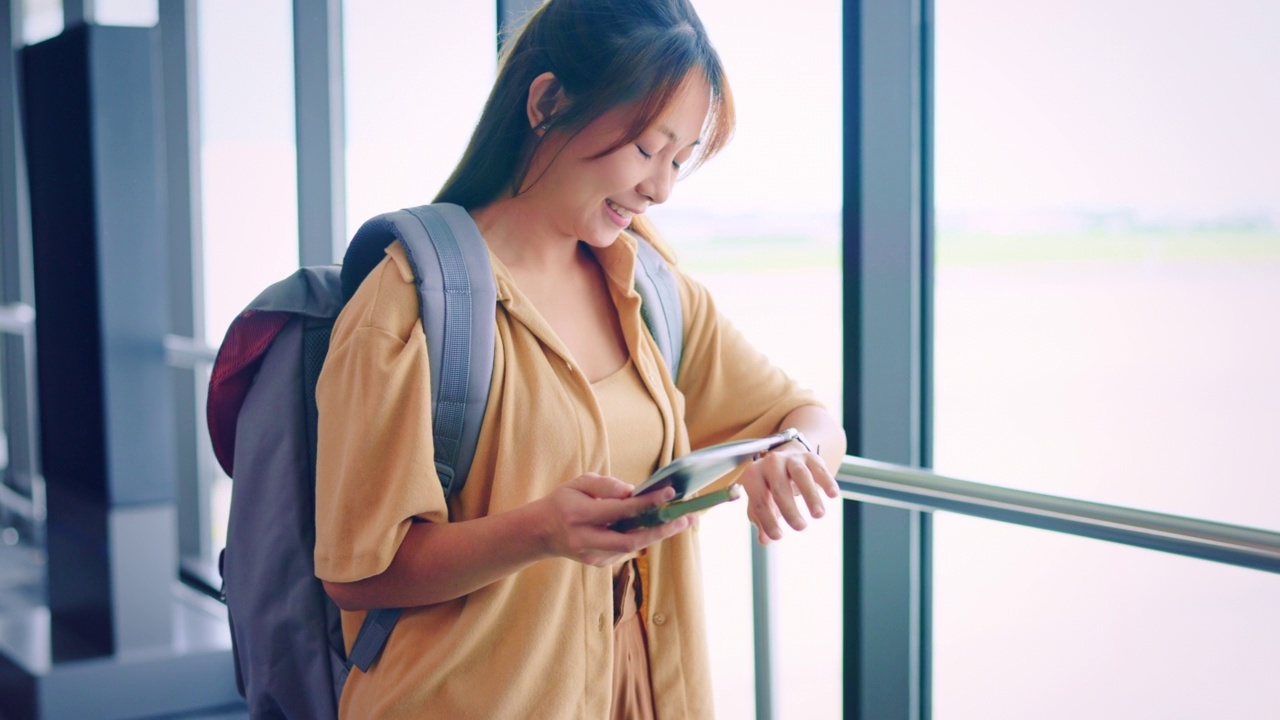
x: 601, y: 487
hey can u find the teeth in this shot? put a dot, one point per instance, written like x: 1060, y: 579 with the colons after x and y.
x: 620, y: 210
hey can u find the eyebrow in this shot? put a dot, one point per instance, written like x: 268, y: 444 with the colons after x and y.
x: 671, y: 134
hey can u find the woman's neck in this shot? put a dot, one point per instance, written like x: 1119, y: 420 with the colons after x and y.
x: 522, y: 237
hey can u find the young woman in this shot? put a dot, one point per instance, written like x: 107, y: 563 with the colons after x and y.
x: 520, y: 602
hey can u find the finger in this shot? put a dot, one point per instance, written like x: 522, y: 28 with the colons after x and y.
x: 600, y: 542
x: 761, y: 537
x: 601, y: 487
x: 801, y: 473
x: 764, y: 513
x: 823, y: 476
x: 665, y: 531
x: 761, y: 511
x: 779, y: 476
x: 611, y: 510
x: 640, y: 538
x: 640, y: 503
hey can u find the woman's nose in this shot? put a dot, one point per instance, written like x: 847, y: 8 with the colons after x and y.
x: 657, y: 186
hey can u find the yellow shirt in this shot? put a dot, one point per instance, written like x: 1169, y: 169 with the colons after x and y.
x: 538, y: 643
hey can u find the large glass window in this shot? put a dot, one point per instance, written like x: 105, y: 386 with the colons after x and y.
x: 41, y: 20
x: 249, y: 174
x: 1029, y: 623
x: 417, y: 75
x: 133, y: 13
x: 1108, y: 267
x: 250, y: 203
x: 760, y: 226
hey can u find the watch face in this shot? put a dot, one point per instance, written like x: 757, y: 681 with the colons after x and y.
x: 800, y: 438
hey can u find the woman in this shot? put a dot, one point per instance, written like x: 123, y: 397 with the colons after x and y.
x: 519, y: 601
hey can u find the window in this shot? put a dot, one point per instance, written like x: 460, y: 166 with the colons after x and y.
x: 417, y: 75
x: 1108, y: 244
x: 760, y: 226
x: 41, y: 20
x: 249, y: 171
x: 398, y: 153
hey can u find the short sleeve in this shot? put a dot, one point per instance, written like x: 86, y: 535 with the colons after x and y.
x: 731, y: 389
x: 375, y: 470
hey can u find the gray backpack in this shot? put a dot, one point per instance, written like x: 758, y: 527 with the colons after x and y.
x: 286, y: 632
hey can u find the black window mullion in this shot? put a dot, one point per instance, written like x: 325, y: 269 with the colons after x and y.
x: 886, y: 326
x: 321, y: 134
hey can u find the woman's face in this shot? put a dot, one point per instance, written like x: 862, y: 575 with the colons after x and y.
x: 593, y: 200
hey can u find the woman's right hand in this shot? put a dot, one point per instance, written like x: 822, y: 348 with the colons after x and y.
x: 576, y: 516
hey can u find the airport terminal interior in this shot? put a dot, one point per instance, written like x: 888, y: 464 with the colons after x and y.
x: 1027, y: 253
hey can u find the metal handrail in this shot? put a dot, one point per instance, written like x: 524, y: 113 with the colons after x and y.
x: 17, y: 503
x: 888, y: 484
x: 185, y: 352
x: 17, y: 318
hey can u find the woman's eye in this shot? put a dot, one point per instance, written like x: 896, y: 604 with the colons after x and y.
x: 642, y: 152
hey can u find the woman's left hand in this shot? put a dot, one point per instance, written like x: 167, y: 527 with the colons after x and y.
x: 773, y: 483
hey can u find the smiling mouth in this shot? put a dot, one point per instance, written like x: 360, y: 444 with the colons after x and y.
x: 625, y: 213
x: 621, y: 215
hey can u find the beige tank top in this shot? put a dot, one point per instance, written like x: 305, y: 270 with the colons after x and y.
x: 632, y: 424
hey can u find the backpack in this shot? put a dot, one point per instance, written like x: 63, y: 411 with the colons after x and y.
x: 286, y: 633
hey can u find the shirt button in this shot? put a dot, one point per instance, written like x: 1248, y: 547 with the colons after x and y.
x: 659, y: 619
x: 600, y: 622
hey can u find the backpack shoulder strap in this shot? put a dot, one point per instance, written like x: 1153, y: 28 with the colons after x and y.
x: 372, y: 637
x: 456, y: 300
x: 457, y: 296
x: 660, y: 303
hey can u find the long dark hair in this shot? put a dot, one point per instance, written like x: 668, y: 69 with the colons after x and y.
x: 605, y: 54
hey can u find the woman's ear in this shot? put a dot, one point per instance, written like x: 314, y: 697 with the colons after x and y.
x: 546, y: 100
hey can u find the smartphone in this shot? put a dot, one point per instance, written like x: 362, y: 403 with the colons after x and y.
x: 677, y: 508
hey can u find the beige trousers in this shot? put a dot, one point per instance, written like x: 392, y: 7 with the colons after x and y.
x: 632, y: 693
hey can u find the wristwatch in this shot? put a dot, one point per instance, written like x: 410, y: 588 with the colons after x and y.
x: 800, y: 438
